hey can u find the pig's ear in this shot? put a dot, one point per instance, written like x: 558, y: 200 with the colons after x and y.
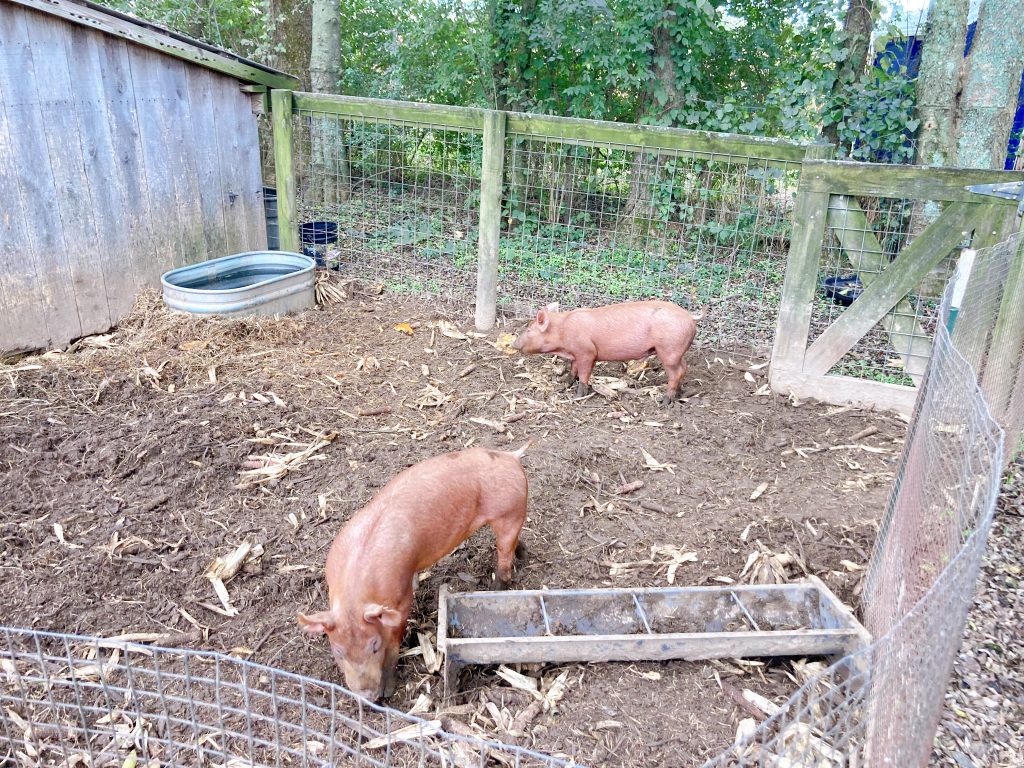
x: 318, y: 623
x: 389, y: 617
x: 542, y: 319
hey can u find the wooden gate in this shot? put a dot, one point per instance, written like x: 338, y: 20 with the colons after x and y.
x: 870, y: 220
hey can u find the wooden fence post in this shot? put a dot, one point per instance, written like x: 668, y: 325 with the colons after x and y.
x: 491, y: 177
x: 281, y: 106
x: 809, y: 221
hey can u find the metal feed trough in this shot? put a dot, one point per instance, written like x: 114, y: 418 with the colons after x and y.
x: 692, y: 623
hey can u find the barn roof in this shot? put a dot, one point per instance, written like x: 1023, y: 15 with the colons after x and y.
x: 159, y: 38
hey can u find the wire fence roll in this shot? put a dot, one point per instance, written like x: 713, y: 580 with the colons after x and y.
x: 81, y: 701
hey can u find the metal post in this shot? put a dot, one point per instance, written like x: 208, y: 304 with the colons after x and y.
x: 490, y: 220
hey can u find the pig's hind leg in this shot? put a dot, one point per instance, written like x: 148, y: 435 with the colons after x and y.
x: 675, y: 366
x: 506, y: 539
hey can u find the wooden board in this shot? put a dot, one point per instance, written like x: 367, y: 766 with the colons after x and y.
x: 911, y: 182
x: 180, y: 156
x: 230, y: 144
x: 111, y: 248
x: 250, y: 171
x: 129, y: 178
x: 202, y: 97
x: 701, y: 144
x: 44, y: 246
x: 161, y: 253
x: 166, y: 42
x: 23, y: 322
x: 846, y: 390
x: 356, y: 107
x: 801, y: 281
x: 64, y: 138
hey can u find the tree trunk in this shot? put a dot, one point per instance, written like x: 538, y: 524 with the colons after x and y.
x: 330, y: 157
x: 647, y: 167
x: 991, y: 79
x: 857, y: 27
x: 938, y: 84
x: 289, y: 27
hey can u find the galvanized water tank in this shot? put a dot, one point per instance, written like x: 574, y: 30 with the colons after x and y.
x: 254, y: 283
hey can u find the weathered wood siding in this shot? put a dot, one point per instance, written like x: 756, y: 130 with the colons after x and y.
x: 117, y: 163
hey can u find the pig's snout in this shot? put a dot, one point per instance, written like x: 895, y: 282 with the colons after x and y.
x: 520, y: 340
x: 364, y: 680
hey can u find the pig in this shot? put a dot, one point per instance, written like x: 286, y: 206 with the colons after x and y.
x: 420, y: 516
x: 629, y: 331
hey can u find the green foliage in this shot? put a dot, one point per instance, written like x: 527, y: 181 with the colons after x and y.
x: 875, y: 118
x: 236, y: 25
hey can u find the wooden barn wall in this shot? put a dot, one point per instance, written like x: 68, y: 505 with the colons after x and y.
x: 117, y: 163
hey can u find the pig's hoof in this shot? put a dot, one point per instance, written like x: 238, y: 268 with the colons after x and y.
x: 501, y: 584
x: 521, y: 551
x: 667, y: 400
x: 582, y: 390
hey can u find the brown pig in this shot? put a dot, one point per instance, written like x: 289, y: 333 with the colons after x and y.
x: 420, y: 516
x: 629, y: 331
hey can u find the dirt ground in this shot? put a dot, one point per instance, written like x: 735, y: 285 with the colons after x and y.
x: 120, y: 484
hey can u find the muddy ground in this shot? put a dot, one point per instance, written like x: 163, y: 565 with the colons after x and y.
x: 120, y: 481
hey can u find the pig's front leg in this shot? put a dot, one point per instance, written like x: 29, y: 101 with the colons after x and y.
x: 390, y: 666
x: 584, y: 365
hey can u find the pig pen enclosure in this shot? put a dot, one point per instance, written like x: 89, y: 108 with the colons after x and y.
x: 177, y: 482
x: 138, y: 448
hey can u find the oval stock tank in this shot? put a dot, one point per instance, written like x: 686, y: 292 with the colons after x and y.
x: 255, y: 283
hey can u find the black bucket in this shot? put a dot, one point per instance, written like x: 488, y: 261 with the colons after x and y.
x: 270, y: 211
x: 318, y: 232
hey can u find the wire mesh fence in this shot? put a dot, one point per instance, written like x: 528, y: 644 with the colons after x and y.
x: 987, y: 331
x: 390, y: 201
x: 583, y: 221
x: 68, y: 700
x: 590, y: 224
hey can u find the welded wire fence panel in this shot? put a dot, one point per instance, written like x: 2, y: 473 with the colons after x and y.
x: 880, y: 706
x: 390, y: 201
x: 587, y: 224
x: 67, y: 700
x: 860, y: 244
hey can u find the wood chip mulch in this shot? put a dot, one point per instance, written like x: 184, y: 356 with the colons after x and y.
x: 982, y: 724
